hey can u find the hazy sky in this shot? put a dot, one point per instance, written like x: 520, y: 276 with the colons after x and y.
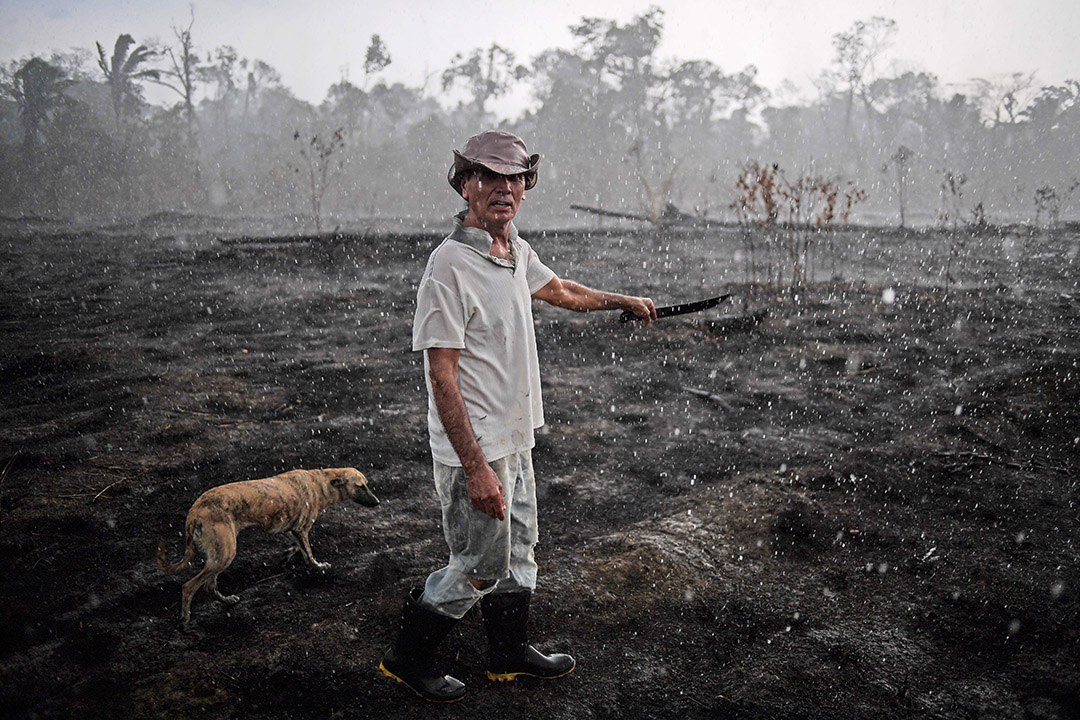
x: 315, y: 46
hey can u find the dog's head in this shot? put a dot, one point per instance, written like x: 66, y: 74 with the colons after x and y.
x: 352, y: 485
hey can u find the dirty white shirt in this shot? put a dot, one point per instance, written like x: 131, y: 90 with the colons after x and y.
x: 482, y: 305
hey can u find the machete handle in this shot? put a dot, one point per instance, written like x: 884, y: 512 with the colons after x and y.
x: 627, y: 316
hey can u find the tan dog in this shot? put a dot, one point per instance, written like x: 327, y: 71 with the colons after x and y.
x: 285, y: 503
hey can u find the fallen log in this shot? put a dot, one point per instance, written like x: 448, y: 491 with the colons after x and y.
x: 671, y: 215
x: 611, y: 213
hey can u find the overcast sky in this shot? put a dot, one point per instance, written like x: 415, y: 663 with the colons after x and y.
x: 315, y: 43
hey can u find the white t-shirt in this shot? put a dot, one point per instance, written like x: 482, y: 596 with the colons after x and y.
x: 482, y: 305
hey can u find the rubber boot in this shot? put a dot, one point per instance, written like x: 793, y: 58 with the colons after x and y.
x: 411, y: 658
x: 506, y: 619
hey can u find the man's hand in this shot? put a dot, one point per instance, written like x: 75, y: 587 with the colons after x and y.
x: 485, y: 491
x: 642, y: 307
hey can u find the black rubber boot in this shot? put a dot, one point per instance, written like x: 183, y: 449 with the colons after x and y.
x: 411, y: 659
x: 506, y: 618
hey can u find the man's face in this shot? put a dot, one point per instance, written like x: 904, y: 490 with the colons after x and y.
x: 493, y: 199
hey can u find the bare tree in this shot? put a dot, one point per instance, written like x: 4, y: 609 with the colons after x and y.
x: 317, y: 152
x: 901, y: 160
x: 1004, y: 98
x: 856, y: 51
x: 181, y: 77
x: 1049, y: 201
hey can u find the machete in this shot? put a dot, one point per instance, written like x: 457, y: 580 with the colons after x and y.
x: 681, y: 309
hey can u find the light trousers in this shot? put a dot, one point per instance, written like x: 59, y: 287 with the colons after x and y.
x: 498, y: 553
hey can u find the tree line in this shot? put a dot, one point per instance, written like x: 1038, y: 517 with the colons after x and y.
x: 620, y: 127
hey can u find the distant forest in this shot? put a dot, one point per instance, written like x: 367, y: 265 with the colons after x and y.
x: 620, y: 128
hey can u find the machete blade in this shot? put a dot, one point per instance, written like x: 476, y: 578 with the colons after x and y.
x: 680, y: 309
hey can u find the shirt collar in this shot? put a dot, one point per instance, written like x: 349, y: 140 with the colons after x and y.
x: 478, y: 240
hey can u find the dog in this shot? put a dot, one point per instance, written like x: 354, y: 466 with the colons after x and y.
x: 286, y: 503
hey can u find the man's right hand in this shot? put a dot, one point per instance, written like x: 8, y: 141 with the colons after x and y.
x: 485, y: 491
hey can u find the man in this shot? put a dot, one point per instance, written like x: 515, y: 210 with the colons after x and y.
x: 474, y: 323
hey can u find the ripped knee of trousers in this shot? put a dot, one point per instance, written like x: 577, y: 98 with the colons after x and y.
x: 483, y: 586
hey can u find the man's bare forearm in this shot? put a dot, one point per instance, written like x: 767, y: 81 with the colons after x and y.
x: 572, y: 295
x: 484, y: 487
x: 581, y: 298
x: 453, y: 414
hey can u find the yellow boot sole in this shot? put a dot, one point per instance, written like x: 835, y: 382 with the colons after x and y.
x: 391, y: 675
x: 509, y: 677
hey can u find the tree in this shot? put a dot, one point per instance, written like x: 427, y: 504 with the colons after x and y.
x: 1009, y: 94
x: 261, y: 76
x: 901, y: 160
x: 221, y: 71
x: 317, y: 152
x: 625, y: 52
x: 376, y: 59
x: 628, y: 90
x: 346, y: 104
x: 181, y: 77
x: 122, y: 75
x: 1053, y: 103
x: 1049, y: 201
x: 907, y: 97
x: 856, y: 51
x: 487, y: 73
x: 38, y: 89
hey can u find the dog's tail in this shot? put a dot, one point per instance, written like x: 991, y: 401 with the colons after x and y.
x: 163, y: 562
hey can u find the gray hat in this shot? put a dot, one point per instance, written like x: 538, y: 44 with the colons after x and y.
x: 500, y: 152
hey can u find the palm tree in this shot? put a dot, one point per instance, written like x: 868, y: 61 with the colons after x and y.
x: 122, y: 72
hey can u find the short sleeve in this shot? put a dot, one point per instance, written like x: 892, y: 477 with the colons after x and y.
x: 440, y: 317
x: 537, y: 274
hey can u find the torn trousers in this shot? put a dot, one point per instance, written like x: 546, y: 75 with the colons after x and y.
x: 498, y: 553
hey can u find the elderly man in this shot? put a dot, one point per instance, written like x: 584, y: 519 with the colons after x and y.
x: 474, y: 323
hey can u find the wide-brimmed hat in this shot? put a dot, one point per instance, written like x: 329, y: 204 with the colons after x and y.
x: 500, y: 152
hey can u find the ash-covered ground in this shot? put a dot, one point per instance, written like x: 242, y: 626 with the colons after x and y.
x: 857, y: 501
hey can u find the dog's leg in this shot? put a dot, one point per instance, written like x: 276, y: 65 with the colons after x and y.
x: 300, y: 537
x: 227, y: 599
x: 206, y: 575
x: 218, y: 544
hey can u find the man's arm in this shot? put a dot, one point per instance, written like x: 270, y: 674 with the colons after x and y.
x: 575, y: 296
x: 485, y: 490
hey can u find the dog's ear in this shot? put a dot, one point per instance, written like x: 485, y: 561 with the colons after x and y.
x: 339, y: 481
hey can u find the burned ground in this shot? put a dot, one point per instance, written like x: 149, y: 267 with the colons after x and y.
x: 844, y: 503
